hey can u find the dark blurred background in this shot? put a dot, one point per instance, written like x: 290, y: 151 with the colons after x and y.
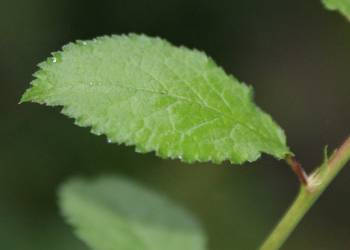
x: 294, y: 53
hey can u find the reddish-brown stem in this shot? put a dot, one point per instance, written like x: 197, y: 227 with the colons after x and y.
x: 297, y: 169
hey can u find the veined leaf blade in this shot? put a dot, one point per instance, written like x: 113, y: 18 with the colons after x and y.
x: 143, y: 91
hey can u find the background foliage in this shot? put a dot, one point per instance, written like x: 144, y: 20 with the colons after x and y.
x: 114, y: 213
x: 294, y: 53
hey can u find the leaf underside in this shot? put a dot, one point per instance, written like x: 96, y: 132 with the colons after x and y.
x: 343, y: 6
x: 143, y: 91
x: 112, y: 213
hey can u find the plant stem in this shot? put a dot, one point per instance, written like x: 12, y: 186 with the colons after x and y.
x: 317, y: 182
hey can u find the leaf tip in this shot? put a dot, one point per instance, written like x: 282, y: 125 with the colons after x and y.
x: 26, y: 97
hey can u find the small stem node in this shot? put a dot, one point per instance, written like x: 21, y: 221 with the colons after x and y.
x: 311, y: 189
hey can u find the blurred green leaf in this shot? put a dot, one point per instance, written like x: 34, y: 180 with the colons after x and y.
x: 112, y: 213
x: 146, y: 92
x: 343, y: 6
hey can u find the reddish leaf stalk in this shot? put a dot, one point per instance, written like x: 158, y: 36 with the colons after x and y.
x: 297, y: 169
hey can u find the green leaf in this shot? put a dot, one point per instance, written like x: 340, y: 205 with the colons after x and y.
x: 146, y: 92
x: 112, y: 213
x: 343, y: 6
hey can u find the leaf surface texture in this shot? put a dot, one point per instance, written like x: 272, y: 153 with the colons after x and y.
x: 144, y: 91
